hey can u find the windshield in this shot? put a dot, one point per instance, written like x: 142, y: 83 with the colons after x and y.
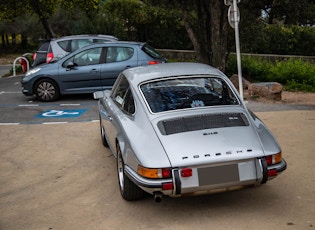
x: 187, y: 92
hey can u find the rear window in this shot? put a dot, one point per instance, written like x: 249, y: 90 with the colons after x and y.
x: 187, y: 92
x: 150, y: 51
x: 44, y: 46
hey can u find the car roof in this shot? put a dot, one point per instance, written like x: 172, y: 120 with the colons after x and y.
x: 110, y: 43
x: 137, y: 75
x: 79, y: 36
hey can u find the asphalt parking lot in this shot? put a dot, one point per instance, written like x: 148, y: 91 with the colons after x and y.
x: 61, y: 177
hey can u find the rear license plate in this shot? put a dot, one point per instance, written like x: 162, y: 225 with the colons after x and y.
x: 218, y: 175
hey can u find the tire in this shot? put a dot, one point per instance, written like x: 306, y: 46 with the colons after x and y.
x: 129, y: 191
x: 46, y: 90
x: 104, y: 141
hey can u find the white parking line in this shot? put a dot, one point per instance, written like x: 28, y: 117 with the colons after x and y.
x: 3, y: 92
x: 31, y: 105
x: 70, y: 104
x: 9, y: 124
x: 55, y: 123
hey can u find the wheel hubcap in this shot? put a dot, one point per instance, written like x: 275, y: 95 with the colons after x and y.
x: 46, y: 90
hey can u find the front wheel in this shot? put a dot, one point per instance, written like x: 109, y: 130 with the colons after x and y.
x: 129, y: 191
x: 47, y: 90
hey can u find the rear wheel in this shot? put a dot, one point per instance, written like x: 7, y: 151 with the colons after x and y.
x: 47, y: 90
x: 129, y: 191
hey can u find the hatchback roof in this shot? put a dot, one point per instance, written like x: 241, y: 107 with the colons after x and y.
x: 89, y: 36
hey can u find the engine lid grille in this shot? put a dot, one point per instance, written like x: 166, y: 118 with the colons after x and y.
x: 200, y: 122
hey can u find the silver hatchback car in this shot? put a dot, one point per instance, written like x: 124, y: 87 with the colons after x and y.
x: 56, y: 48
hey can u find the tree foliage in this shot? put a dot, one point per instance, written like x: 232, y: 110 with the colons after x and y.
x: 266, y: 26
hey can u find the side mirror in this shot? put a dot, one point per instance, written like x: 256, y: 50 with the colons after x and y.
x: 98, y: 94
x: 70, y: 65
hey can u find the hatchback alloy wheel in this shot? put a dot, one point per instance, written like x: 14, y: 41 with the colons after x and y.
x: 47, y: 90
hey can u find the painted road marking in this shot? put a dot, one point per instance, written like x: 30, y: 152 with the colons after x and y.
x: 61, y: 113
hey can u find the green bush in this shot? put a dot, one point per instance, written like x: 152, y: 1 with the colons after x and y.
x: 293, y: 74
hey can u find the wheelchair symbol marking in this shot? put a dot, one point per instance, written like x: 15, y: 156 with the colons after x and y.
x: 61, y: 113
x: 58, y: 113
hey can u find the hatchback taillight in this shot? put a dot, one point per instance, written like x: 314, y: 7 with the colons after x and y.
x: 153, y: 62
x: 34, y: 56
x: 49, y: 57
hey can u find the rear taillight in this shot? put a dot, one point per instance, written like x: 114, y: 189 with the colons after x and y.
x: 154, y: 172
x: 153, y: 62
x: 34, y: 56
x: 274, y: 159
x: 49, y: 57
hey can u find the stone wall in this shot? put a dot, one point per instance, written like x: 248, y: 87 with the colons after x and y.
x: 190, y: 55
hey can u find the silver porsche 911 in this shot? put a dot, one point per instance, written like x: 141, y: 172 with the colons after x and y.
x: 181, y: 129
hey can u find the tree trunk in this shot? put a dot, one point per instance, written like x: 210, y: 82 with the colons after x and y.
x: 219, y: 32
x: 36, y: 6
x: 210, y: 41
x: 193, y: 38
x: 24, y: 44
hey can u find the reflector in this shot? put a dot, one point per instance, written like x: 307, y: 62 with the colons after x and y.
x: 167, y: 186
x: 186, y: 172
x: 272, y: 172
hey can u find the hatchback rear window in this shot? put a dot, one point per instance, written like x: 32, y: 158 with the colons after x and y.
x: 150, y: 51
x: 44, y: 46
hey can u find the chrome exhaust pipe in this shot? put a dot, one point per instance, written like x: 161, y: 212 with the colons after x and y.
x: 158, y: 197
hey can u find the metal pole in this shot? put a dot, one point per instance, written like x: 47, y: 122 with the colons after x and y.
x: 238, y: 52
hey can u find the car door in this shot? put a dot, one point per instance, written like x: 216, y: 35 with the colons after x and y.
x: 118, y: 58
x: 81, y: 72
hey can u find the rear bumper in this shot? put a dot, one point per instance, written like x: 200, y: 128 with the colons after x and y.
x: 148, y: 185
x: 252, y: 173
x: 279, y: 167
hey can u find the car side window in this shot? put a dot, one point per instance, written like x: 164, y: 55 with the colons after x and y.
x: 79, y: 43
x: 129, y: 103
x: 123, y: 97
x: 117, y: 54
x: 64, y: 45
x: 87, y: 57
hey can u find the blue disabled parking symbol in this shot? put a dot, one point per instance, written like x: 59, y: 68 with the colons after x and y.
x: 61, y: 113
